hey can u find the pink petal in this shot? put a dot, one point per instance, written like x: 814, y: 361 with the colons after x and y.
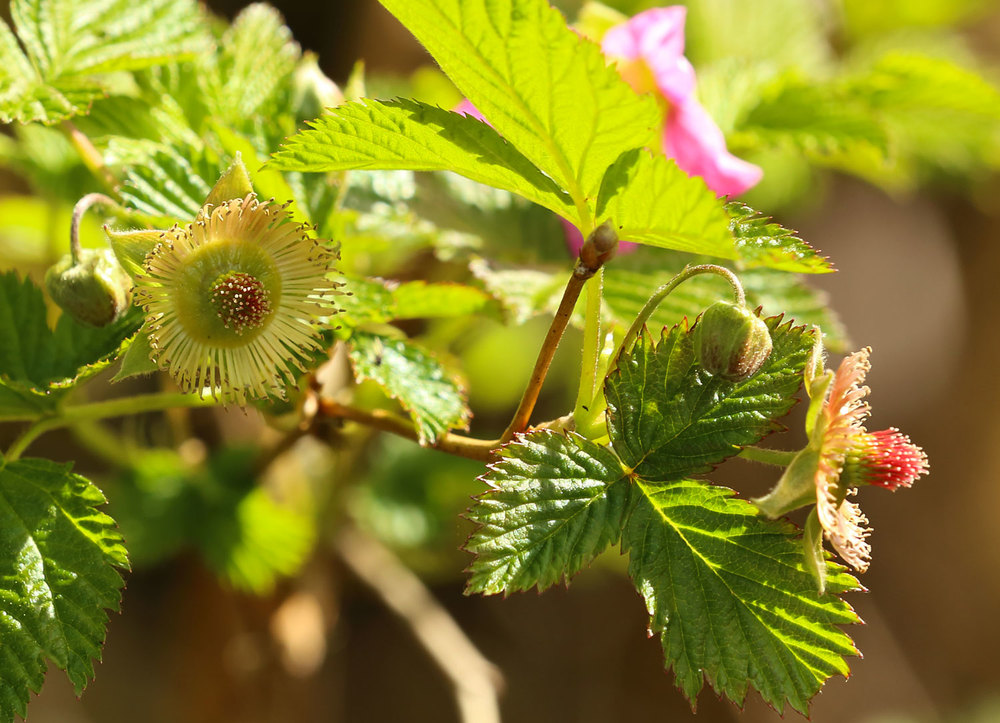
x: 466, y: 108
x: 692, y: 139
x: 656, y: 37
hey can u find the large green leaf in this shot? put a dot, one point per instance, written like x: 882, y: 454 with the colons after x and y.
x: 668, y: 418
x: 58, y: 556
x: 35, y: 360
x: 405, y: 134
x: 939, y: 115
x: 70, y: 44
x: 651, y: 201
x: 818, y: 118
x: 424, y: 388
x: 556, y: 501
x: 543, y: 87
x: 729, y: 597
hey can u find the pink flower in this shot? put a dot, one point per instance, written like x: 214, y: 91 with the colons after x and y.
x: 650, y: 52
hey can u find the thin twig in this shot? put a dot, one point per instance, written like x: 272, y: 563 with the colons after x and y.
x: 476, y: 681
x: 468, y: 447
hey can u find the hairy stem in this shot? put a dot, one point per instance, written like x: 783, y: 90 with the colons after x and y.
x: 470, y: 448
x: 591, y: 346
x: 776, y: 457
x: 81, y: 207
x: 102, y: 410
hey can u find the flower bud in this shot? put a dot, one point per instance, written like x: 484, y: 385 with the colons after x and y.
x: 95, y: 290
x: 312, y: 91
x: 731, y: 342
x: 600, y: 246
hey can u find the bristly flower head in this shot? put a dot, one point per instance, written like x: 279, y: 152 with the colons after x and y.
x: 840, y: 456
x: 231, y: 299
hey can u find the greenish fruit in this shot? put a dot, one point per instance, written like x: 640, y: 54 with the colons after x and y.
x: 731, y: 341
x: 96, y: 290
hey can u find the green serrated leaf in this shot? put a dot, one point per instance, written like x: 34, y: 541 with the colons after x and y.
x: 668, y: 418
x: 18, y: 402
x: 408, y: 135
x: 69, y: 44
x: 939, y: 115
x: 58, y: 577
x: 168, y: 187
x: 522, y: 292
x: 556, y: 502
x: 544, y: 88
x: 817, y: 118
x: 423, y: 300
x: 367, y: 301
x: 690, y: 545
x: 760, y: 242
x: 257, y: 56
x: 407, y: 373
x: 375, y: 301
x: 652, y: 201
x: 34, y: 357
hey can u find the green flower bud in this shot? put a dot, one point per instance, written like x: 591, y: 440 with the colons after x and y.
x: 95, y: 290
x: 312, y: 91
x: 731, y: 341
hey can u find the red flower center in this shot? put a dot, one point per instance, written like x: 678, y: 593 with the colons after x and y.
x: 241, y: 301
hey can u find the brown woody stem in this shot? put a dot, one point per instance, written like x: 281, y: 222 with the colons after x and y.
x: 470, y: 448
x: 581, y: 274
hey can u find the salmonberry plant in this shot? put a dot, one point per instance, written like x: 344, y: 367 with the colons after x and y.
x: 245, y: 234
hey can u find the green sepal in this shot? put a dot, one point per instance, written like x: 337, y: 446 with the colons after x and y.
x: 812, y: 548
x: 137, y: 359
x: 816, y: 388
x: 795, y: 489
x: 233, y: 183
x: 595, y: 19
x: 131, y: 247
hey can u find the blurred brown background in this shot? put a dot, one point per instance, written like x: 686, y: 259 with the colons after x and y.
x: 917, y: 282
